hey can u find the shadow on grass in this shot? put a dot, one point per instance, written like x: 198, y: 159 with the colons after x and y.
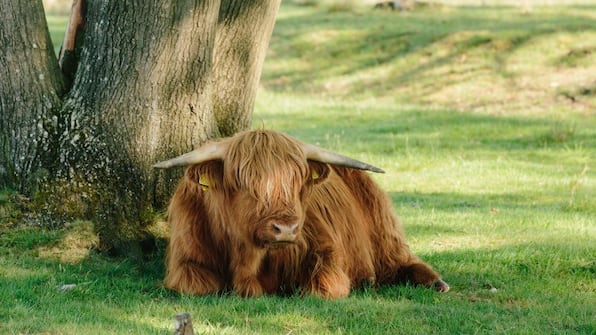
x: 448, y: 203
x: 528, y: 279
x: 393, y: 129
x: 116, y: 295
x: 322, y: 46
x: 91, y: 295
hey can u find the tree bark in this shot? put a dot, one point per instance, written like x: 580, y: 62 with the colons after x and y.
x: 30, y: 90
x: 142, y: 93
x: 149, y: 78
x: 183, y: 324
x: 73, y: 36
x: 243, y: 34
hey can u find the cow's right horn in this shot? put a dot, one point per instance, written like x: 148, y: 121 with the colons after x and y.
x: 325, y: 156
x: 207, y: 152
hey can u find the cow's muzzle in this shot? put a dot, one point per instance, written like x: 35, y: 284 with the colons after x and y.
x: 277, y: 234
x: 284, y: 233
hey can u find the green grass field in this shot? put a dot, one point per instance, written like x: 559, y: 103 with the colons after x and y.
x: 483, y: 118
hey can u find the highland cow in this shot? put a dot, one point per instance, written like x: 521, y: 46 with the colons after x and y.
x: 263, y: 213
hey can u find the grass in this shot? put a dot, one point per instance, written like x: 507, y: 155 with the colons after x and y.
x: 57, y: 24
x: 483, y: 118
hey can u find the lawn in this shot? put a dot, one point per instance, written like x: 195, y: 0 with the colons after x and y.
x: 483, y: 118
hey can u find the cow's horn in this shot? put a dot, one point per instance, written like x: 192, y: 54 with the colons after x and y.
x: 325, y: 156
x: 205, y: 153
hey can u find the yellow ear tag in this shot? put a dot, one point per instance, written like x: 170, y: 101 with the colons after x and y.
x: 205, y: 182
x: 315, y: 175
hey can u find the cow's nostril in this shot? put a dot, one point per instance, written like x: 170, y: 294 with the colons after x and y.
x: 276, y: 229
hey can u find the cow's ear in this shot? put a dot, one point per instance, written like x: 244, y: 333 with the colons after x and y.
x: 318, y: 171
x: 206, y: 182
x: 208, y: 174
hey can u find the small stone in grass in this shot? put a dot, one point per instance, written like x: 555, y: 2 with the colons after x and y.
x: 66, y: 287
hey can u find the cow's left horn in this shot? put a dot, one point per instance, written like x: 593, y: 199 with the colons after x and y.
x: 208, y: 152
x: 325, y: 156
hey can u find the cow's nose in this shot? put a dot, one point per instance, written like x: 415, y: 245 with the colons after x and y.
x: 285, y: 233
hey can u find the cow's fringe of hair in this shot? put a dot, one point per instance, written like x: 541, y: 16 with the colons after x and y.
x: 259, y: 168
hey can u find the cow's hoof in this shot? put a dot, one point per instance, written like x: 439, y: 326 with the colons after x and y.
x: 250, y: 288
x: 441, y: 286
x: 331, y: 283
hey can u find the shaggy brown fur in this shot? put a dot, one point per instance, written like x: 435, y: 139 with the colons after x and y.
x: 221, y: 231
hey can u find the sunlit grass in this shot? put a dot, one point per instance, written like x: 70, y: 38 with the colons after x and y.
x: 57, y: 25
x: 495, y: 60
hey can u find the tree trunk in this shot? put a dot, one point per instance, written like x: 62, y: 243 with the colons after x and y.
x: 142, y: 93
x: 147, y: 83
x: 30, y: 89
x: 238, y: 65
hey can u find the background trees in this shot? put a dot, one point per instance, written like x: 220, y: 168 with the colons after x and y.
x: 153, y: 79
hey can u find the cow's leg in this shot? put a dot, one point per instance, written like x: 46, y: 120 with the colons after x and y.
x: 417, y: 272
x: 193, y: 260
x: 245, y: 265
x: 191, y: 277
x: 188, y: 262
x: 330, y: 282
x: 328, y: 279
x: 401, y: 266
